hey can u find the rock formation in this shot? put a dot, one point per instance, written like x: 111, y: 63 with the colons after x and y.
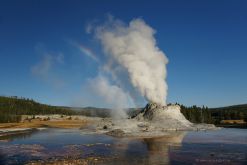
x: 153, y: 120
x: 165, y: 117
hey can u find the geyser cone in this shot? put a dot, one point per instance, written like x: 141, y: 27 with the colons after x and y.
x: 149, y: 110
x: 153, y: 120
x: 167, y: 117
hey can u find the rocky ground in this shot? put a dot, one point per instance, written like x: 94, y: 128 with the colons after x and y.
x: 153, y: 120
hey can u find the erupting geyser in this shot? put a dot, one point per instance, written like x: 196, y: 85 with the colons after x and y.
x: 131, y: 50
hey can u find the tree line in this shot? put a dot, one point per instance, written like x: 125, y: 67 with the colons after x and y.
x: 11, y: 109
x: 204, y: 114
x: 197, y: 114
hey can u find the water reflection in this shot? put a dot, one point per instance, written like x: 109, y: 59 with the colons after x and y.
x: 159, y: 148
x: 174, y: 148
x: 18, y: 136
x: 147, y: 150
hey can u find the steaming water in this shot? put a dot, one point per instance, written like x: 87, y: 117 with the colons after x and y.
x: 225, y: 146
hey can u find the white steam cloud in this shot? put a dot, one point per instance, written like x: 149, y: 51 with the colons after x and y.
x: 111, y: 94
x: 133, y: 48
x: 101, y: 92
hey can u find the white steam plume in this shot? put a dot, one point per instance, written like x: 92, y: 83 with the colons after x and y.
x: 111, y: 94
x: 134, y: 48
x: 101, y: 92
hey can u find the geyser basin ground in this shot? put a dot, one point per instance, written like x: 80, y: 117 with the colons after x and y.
x: 153, y: 120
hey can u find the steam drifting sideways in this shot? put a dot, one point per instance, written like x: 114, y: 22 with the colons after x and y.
x: 133, y: 48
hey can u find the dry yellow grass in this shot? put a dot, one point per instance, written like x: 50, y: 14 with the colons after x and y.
x: 53, y: 124
x: 232, y: 122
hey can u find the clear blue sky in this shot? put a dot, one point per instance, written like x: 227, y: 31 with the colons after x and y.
x: 205, y: 41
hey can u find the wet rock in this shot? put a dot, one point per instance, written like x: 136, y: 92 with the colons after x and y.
x: 116, y: 132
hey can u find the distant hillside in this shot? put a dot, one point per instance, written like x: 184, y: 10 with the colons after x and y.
x: 94, y: 112
x: 12, y: 107
x: 103, y: 112
x: 232, y: 107
x: 216, y: 115
x: 194, y: 114
x: 234, y: 112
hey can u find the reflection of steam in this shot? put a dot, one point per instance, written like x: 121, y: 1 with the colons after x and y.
x: 154, y: 150
x: 158, y: 148
x: 174, y: 138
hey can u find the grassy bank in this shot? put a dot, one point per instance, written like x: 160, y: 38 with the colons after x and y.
x: 49, y: 124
